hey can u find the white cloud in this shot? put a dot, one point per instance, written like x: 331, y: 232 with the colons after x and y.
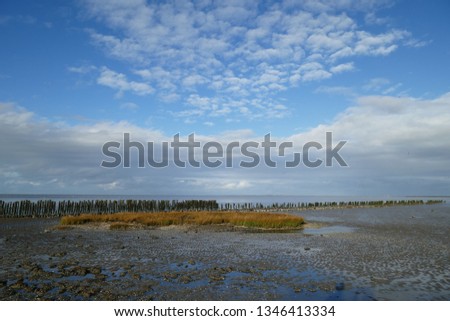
x: 337, y: 5
x: 119, y: 81
x: 236, y: 49
x: 382, y: 44
x: 384, y: 86
x: 109, y: 186
x: 56, y: 157
x: 342, y: 68
x: 372, y: 19
x: 129, y: 106
x: 376, y: 84
x: 396, y: 145
x: 125, y: 49
x: 84, y: 69
x: 335, y: 90
x: 241, y: 184
x: 392, y: 89
x: 415, y: 43
x: 193, y: 80
x: 314, y: 72
x: 169, y: 97
x: 398, y: 129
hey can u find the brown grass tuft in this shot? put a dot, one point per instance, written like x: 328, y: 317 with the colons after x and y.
x: 120, y: 226
x: 245, y: 219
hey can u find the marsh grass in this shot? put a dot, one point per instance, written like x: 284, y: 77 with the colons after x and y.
x: 257, y: 220
x: 120, y: 226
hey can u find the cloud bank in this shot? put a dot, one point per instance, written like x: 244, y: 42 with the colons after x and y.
x: 395, y: 145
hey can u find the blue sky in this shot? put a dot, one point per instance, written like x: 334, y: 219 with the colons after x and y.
x: 74, y: 75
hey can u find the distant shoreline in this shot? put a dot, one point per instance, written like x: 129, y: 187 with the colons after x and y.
x: 51, y: 208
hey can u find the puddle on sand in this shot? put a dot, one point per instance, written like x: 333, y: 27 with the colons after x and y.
x: 329, y: 230
x: 295, y: 285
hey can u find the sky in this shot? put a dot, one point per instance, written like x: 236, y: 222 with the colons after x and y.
x: 75, y: 75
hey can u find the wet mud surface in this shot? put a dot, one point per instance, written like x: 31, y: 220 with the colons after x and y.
x: 398, y: 253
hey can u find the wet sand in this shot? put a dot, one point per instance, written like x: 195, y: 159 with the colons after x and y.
x: 392, y: 253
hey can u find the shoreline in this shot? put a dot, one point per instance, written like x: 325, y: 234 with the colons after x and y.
x: 50, y: 208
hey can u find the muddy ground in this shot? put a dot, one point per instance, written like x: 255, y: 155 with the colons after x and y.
x: 393, y: 253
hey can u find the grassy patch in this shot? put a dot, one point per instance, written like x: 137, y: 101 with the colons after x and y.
x: 120, y: 226
x: 244, y: 219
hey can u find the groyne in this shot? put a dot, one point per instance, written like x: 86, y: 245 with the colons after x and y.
x: 51, y: 208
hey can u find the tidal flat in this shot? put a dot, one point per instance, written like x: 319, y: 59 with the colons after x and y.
x: 387, y: 253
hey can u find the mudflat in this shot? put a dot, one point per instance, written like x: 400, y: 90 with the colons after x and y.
x: 389, y: 253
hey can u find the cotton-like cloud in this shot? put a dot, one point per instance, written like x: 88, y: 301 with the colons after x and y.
x: 401, y: 137
x: 234, y: 51
x: 342, y: 68
x: 120, y: 82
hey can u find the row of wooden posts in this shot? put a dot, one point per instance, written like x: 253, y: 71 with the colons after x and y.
x: 316, y: 205
x: 50, y: 208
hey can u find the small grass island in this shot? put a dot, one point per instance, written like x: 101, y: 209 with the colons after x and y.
x: 250, y: 220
